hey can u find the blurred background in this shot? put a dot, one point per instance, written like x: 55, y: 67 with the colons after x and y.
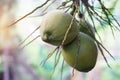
x: 24, y: 64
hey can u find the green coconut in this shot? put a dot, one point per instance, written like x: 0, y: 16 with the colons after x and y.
x: 54, y: 26
x: 86, y: 27
x: 86, y: 58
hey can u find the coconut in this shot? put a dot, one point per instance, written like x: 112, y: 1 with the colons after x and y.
x: 86, y: 27
x: 54, y: 26
x: 86, y: 58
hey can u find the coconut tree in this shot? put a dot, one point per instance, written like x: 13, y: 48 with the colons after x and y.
x: 85, y: 13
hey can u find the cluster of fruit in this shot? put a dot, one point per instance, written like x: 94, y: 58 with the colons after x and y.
x: 77, y: 45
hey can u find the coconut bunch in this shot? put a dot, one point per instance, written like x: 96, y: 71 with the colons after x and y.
x: 77, y: 46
